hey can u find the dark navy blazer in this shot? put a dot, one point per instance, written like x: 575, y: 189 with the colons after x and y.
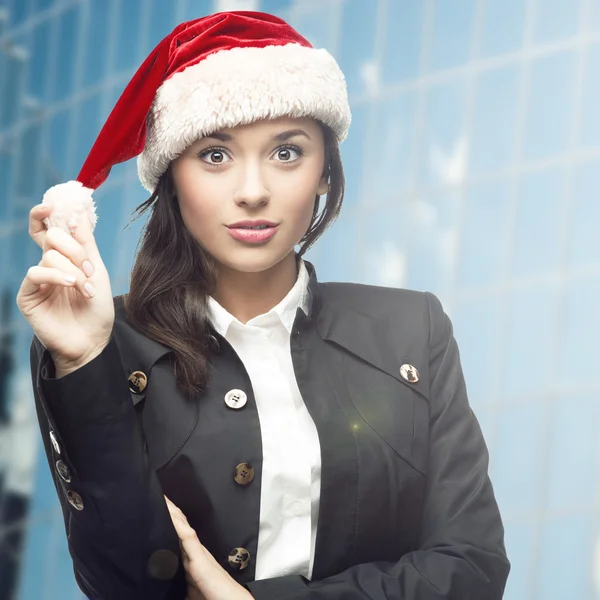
x: 407, y: 511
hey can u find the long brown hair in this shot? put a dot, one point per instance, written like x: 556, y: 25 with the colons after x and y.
x: 173, y: 275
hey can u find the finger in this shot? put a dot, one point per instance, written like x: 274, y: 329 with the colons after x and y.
x: 38, y: 276
x: 37, y: 229
x: 175, y: 511
x: 62, y: 242
x: 56, y: 260
x: 84, y: 234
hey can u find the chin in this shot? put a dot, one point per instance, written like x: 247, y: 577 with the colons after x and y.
x: 254, y: 260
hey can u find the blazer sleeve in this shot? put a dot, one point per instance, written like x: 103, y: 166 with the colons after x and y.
x: 461, y: 553
x: 120, y: 536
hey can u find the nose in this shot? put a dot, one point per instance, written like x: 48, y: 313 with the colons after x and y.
x: 252, y: 189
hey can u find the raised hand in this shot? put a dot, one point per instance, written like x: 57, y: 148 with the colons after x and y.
x: 67, y: 297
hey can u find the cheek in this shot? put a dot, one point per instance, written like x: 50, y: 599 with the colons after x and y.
x: 198, y: 202
x: 299, y: 196
x: 299, y: 214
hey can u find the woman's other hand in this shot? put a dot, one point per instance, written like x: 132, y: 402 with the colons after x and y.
x: 207, y: 580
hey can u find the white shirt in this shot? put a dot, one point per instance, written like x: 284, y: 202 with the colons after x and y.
x: 291, y: 468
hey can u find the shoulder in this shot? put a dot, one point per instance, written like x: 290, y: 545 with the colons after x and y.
x: 379, y: 301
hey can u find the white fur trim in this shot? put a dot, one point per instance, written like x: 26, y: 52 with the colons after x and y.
x: 71, y: 201
x: 240, y: 86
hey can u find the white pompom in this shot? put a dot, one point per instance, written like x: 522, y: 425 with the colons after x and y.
x: 71, y: 202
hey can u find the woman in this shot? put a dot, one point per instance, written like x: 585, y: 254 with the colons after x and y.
x: 232, y: 428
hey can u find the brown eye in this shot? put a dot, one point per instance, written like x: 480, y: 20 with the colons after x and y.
x: 284, y: 154
x: 216, y: 157
x: 288, y: 154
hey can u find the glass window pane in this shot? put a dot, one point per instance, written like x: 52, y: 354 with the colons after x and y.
x: 57, y: 155
x: 354, y: 155
x: 478, y: 332
x: 42, y: 4
x: 13, y: 81
x: 550, y: 106
x: 585, y: 213
x: 68, y: 34
x: 19, y: 11
x: 275, y: 7
x: 96, y: 44
x: 520, y: 547
x: 337, y: 251
x: 502, y: 26
x: 7, y: 171
x: 494, y: 121
x: 162, y: 21
x: 23, y: 254
x: 590, y: 135
x: 110, y: 210
x: 574, y: 453
x: 538, y: 223
x: 563, y: 538
x: 318, y: 24
x: 87, y: 127
x: 403, y: 39
x: 594, y: 20
x: 38, y: 63
x: 433, y: 240
x: 483, y: 243
x: 452, y: 33
x: 444, y: 142
x: 389, y: 159
x: 128, y: 35
x: 128, y: 235
x: 356, y: 51
x: 581, y: 332
x: 529, y: 361
x: 517, y: 456
x: 556, y: 19
x: 383, y: 247
x: 29, y: 162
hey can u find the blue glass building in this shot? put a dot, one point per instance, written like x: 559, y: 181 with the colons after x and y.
x: 473, y: 171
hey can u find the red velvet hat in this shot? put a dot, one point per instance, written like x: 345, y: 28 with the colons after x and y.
x: 219, y: 71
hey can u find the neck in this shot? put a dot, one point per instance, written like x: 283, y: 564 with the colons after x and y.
x: 247, y: 295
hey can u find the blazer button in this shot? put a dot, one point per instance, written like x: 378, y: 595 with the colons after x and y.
x: 244, y: 473
x: 236, y: 399
x: 238, y: 558
x: 163, y: 565
x: 409, y: 373
x: 75, y: 500
x: 63, y: 471
x: 55, y: 443
x: 138, y: 382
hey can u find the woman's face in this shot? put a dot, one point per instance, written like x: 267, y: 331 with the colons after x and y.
x: 247, y: 193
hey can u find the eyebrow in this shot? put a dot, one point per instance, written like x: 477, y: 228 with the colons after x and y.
x: 280, y: 137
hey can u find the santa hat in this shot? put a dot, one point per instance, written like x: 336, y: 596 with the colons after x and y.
x: 227, y: 69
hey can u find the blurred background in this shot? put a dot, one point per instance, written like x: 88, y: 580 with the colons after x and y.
x: 473, y: 169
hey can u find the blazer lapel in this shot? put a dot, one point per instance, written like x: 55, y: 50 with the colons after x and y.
x: 378, y: 341
x: 165, y: 409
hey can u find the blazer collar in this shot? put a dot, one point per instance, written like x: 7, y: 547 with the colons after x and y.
x: 340, y: 318
x: 138, y: 352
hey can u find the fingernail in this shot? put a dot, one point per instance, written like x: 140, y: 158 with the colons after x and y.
x: 70, y: 279
x: 88, y: 268
x: 89, y: 289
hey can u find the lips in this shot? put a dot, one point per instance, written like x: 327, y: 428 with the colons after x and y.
x: 258, y: 225
x: 253, y: 232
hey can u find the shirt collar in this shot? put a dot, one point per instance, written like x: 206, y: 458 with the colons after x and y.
x: 284, y: 312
